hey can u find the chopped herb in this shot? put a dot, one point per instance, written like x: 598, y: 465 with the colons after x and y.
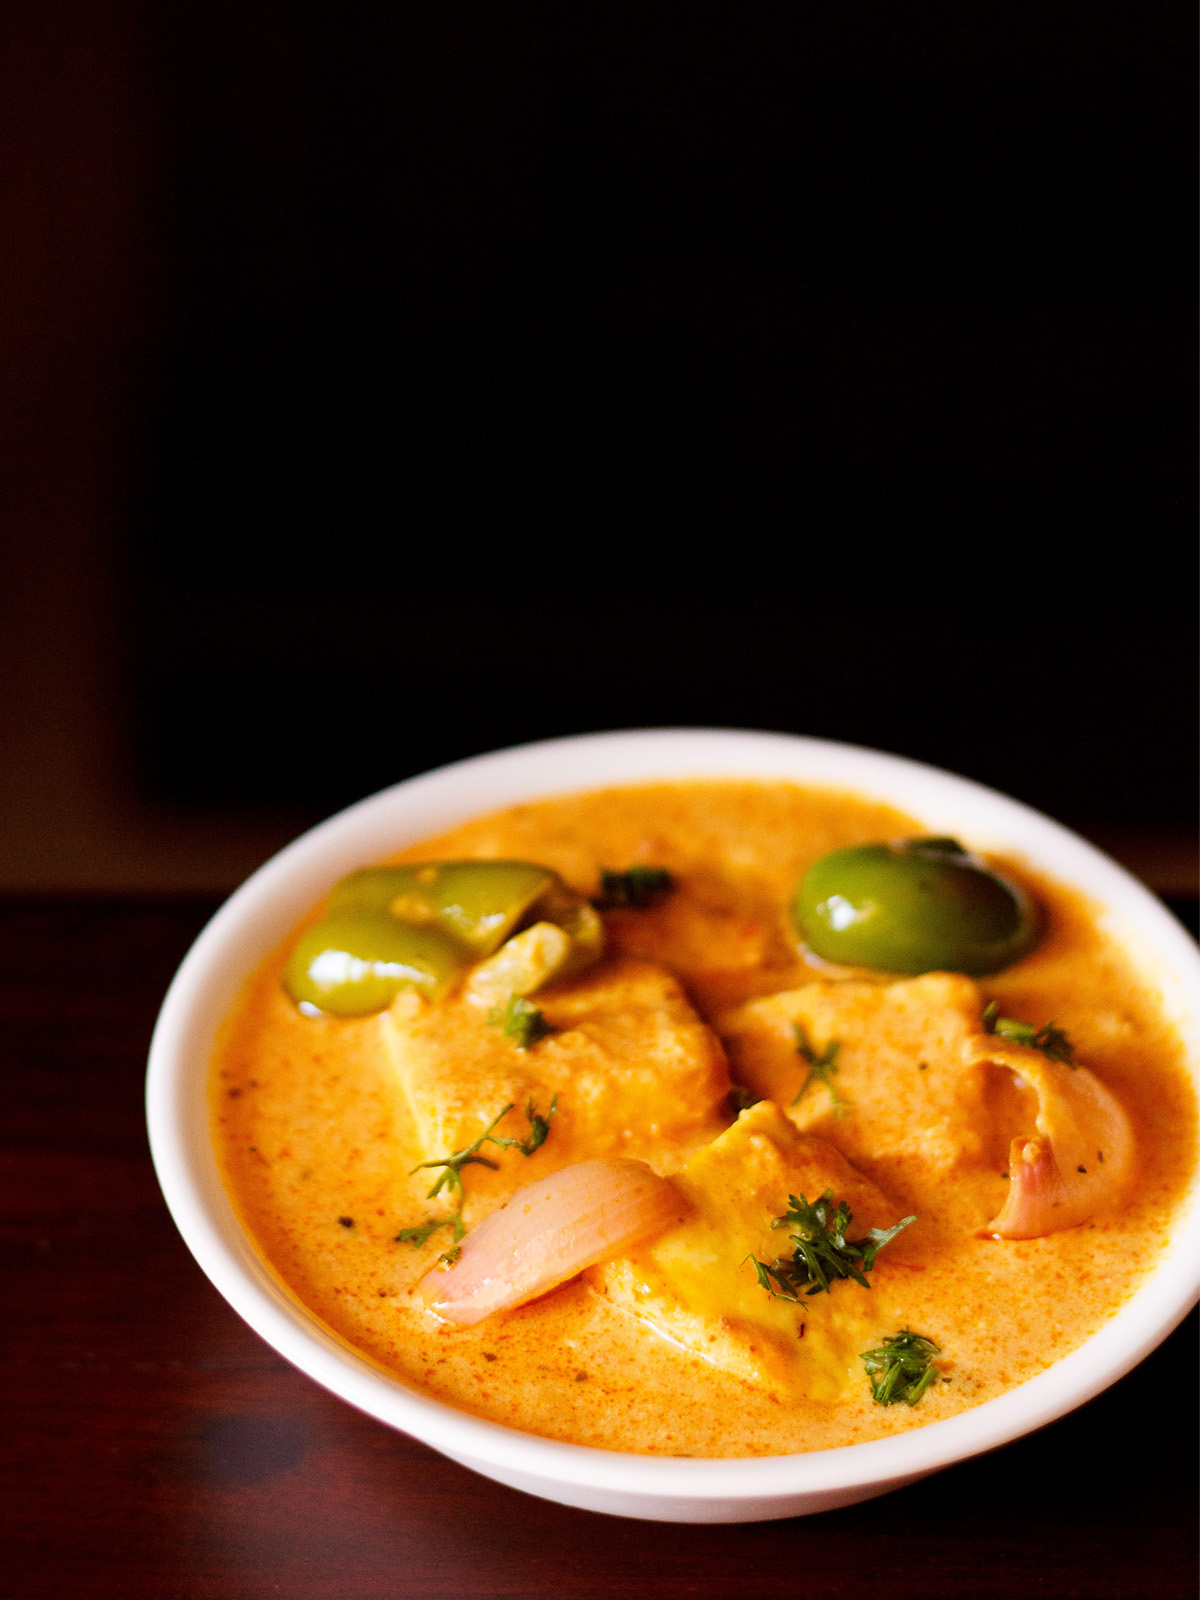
x: 346, y: 1222
x: 901, y: 1368
x: 742, y: 1099
x: 1050, y: 1040
x: 539, y: 1129
x: 451, y: 1256
x: 638, y: 887
x: 451, y: 1178
x: 1055, y: 1045
x: 822, y: 1252
x: 523, y: 1023
x: 421, y: 1234
x: 820, y: 1068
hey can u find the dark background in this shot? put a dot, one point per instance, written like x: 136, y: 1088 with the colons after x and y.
x: 395, y: 382
x: 380, y: 384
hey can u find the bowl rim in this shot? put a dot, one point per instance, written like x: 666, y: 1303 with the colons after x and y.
x: 261, y: 912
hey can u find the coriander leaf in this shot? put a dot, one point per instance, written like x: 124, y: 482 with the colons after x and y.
x: 539, y: 1129
x: 451, y: 1178
x: 421, y: 1234
x: 821, y: 1252
x: 772, y: 1281
x: 875, y: 1239
x: 821, y: 1068
x: 638, y: 887
x: 523, y: 1023
x: 1054, y: 1044
x: 451, y: 1256
x: 901, y: 1368
x: 1051, y: 1040
x: 520, y: 1021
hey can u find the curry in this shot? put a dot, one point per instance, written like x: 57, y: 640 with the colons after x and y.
x: 639, y: 1054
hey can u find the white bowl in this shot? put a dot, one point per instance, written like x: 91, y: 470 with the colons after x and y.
x: 252, y: 923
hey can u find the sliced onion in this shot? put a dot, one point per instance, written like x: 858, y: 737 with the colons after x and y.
x: 549, y: 1231
x: 1079, y: 1160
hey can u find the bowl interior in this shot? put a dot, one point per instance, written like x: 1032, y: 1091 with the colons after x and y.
x: 254, y: 920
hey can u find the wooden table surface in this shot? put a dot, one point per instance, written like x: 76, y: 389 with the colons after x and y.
x: 156, y: 1447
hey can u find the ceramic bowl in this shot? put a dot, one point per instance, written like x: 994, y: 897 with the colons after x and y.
x: 262, y: 911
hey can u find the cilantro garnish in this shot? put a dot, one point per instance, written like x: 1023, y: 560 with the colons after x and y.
x: 523, y: 1023
x: 451, y: 1178
x: 901, y: 1368
x: 822, y: 1252
x: 820, y: 1068
x: 539, y: 1129
x: 638, y: 887
x: 423, y: 1232
x: 1050, y: 1040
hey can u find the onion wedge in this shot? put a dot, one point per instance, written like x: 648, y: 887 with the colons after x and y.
x: 1079, y: 1158
x: 549, y: 1231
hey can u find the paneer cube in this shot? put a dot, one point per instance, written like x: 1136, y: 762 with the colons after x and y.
x: 635, y: 1070
x: 901, y: 1107
x: 695, y: 1284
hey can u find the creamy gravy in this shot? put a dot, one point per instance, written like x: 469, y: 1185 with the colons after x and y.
x: 316, y: 1146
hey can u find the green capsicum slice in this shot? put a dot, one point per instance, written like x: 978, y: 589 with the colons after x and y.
x: 357, y: 961
x: 478, y: 903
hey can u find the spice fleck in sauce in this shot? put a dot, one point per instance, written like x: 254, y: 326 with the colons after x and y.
x: 317, y: 1140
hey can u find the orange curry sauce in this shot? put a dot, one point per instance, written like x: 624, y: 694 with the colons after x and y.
x: 317, y: 1145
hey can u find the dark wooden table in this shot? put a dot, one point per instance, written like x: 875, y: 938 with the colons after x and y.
x: 155, y: 1447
